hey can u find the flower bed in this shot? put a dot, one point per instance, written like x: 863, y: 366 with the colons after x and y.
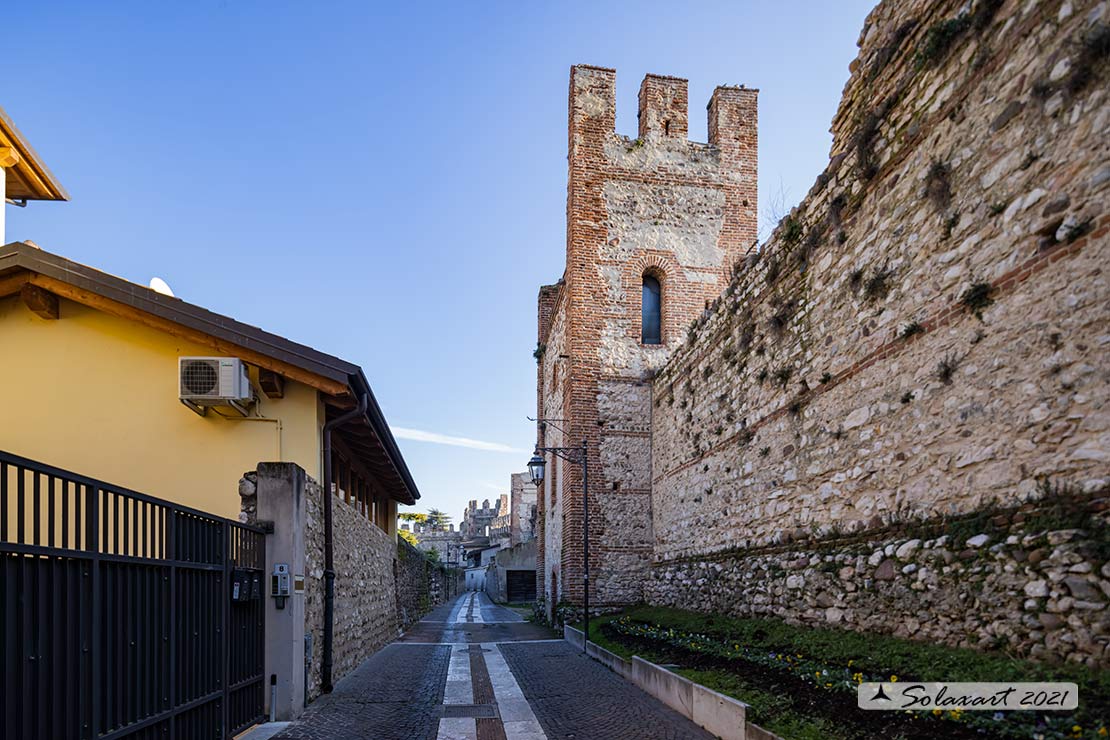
x: 786, y: 670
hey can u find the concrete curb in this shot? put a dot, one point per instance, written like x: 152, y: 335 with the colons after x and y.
x: 721, y: 715
x: 263, y: 731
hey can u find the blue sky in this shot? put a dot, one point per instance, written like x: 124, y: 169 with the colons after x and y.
x: 386, y: 183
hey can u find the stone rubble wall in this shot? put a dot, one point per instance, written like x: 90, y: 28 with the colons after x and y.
x: 421, y: 584
x: 925, y: 332
x: 1016, y: 586
x: 365, y: 590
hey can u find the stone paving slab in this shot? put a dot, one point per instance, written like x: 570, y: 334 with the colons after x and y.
x: 521, y: 684
x: 497, y: 624
x: 576, y: 697
x: 394, y: 695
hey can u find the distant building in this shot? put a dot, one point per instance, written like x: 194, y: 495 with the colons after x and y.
x: 500, y: 530
x: 445, y: 541
x: 483, y: 531
x: 476, y: 520
x: 522, y: 509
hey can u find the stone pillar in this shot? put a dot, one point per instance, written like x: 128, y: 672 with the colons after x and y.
x: 281, y: 500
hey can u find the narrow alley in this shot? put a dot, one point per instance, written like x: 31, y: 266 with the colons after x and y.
x: 473, y: 670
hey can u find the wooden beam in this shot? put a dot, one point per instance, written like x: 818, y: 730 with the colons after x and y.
x: 341, y: 403
x: 42, y: 302
x: 12, y: 284
x: 369, y: 459
x: 273, y: 384
x: 33, y: 179
x: 356, y: 460
x: 123, y: 311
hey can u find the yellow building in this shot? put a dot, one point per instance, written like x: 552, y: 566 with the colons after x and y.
x: 92, y: 381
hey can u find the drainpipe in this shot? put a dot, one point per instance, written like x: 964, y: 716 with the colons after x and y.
x: 329, y: 553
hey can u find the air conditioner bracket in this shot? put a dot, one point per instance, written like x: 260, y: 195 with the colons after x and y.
x: 195, y: 407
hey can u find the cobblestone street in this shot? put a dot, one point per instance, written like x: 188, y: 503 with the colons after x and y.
x: 472, y: 670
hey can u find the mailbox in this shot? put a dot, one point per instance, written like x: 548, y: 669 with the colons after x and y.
x: 246, y: 585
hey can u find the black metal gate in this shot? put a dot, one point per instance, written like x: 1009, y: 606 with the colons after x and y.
x: 123, y: 615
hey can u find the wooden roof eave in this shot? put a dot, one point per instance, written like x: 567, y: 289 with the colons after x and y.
x: 363, y: 443
x: 339, y: 381
x: 26, y: 177
x: 12, y: 284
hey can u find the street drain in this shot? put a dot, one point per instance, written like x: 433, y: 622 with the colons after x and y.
x: 478, y: 711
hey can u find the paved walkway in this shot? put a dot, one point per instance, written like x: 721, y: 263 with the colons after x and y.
x: 473, y: 670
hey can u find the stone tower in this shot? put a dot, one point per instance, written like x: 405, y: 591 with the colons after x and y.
x: 655, y: 216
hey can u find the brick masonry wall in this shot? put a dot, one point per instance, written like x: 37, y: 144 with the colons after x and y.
x: 925, y: 333
x: 681, y: 211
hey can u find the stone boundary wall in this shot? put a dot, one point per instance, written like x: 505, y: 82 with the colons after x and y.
x: 365, y: 587
x: 925, y: 333
x: 1008, y: 580
x: 421, y: 584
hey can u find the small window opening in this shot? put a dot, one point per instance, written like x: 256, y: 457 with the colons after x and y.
x: 651, y: 310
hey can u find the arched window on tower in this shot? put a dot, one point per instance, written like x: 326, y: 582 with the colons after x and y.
x: 651, y: 312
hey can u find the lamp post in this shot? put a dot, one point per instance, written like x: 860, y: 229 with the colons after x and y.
x: 578, y: 456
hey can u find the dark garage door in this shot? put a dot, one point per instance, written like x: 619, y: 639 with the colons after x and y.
x: 521, y: 585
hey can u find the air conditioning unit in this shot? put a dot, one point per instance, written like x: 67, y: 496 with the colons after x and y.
x: 213, y: 381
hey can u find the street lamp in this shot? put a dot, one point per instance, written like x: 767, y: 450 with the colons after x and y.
x: 535, y: 469
x: 576, y: 455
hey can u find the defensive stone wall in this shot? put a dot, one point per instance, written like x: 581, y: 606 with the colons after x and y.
x: 923, y: 336
x: 657, y: 207
x: 1032, y: 580
x: 446, y: 541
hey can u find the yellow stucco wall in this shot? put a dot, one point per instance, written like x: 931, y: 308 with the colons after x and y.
x: 97, y: 395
